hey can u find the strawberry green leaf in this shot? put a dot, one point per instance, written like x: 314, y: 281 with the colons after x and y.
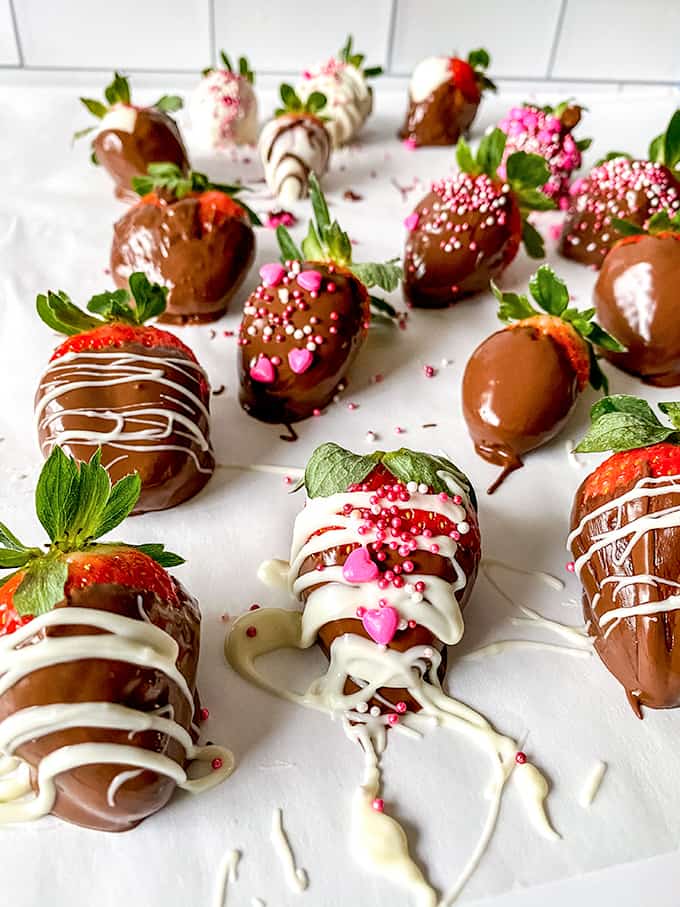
x: 479, y: 59
x: 150, y: 298
x: 169, y: 103
x: 60, y: 314
x: 513, y: 306
x: 119, y: 504
x: 532, y: 240
x: 226, y: 62
x: 81, y: 133
x: 42, y: 586
x: 671, y: 142
x: 387, y: 276
x: 623, y: 403
x: 56, y: 494
x: 372, y: 72
x: 332, y: 469
x: 661, y: 222
x: 626, y: 228
x: 160, y: 555
x: 490, y: 151
x: 11, y: 558
x: 118, y: 92
x: 600, y: 338
x: 289, y: 251
x: 672, y: 410
x: 584, y: 144
x: 245, y: 70
x: 527, y: 171
x: 381, y: 309
x: 9, y: 540
x: 95, y: 107
x: 549, y: 291
x: 415, y: 466
x: 534, y: 200
x: 596, y: 377
x: 617, y: 431
x: 466, y: 159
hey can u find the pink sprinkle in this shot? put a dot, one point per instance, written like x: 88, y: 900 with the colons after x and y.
x: 360, y: 612
x: 434, y: 549
x: 272, y: 274
x: 411, y: 222
x: 310, y: 280
x: 571, y: 567
x: 378, y: 804
x: 399, y: 430
x: 352, y: 406
x: 520, y: 758
x: 429, y: 371
x: 205, y: 714
x: 287, y: 480
x: 316, y: 412
x: 401, y: 707
x: 330, y: 286
x: 393, y: 719
x: 217, y: 764
x: 410, y: 144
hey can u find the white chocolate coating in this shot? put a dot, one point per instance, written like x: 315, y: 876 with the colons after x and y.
x: 428, y: 75
x: 291, y: 148
x: 348, y: 98
x: 223, y: 111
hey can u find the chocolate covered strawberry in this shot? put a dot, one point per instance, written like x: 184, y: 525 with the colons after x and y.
x: 625, y: 539
x: 469, y: 227
x: 307, y: 320
x: 99, y: 648
x: 547, y: 131
x: 129, y: 138
x: 223, y: 107
x: 192, y: 236
x: 620, y: 188
x: 521, y: 383
x: 132, y: 389
x: 636, y: 298
x: 443, y: 97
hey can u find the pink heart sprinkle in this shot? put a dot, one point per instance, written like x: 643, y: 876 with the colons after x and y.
x: 381, y: 624
x: 309, y: 280
x: 263, y: 371
x: 359, y: 568
x: 272, y: 274
x: 411, y: 222
x: 299, y: 360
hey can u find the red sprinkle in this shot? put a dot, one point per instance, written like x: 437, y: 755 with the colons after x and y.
x: 378, y: 804
x: 520, y: 758
x: 251, y: 632
x: 217, y: 764
x: 254, y: 607
x: 570, y: 567
x: 205, y: 714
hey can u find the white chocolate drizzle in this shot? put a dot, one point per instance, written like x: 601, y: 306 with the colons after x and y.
x: 291, y: 148
x: 592, y: 784
x: 348, y: 98
x: 226, y: 875
x: 125, y: 639
x: 296, y: 877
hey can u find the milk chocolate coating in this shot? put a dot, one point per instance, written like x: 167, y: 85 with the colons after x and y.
x: 201, y: 266
x: 441, y: 118
x: 435, y: 277
x: 519, y: 388
x: 426, y: 563
x: 588, y: 234
x: 642, y: 652
x: 155, y: 139
x: 82, y: 791
x: 636, y: 296
x: 169, y: 475
x: 292, y: 397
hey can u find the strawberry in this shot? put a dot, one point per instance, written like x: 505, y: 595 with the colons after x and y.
x: 223, y: 107
x: 547, y: 131
x: 521, y: 383
x: 134, y: 389
x: 415, y: 518
x: 191, y: 235
x: 444, y: 95
x: 643, y: 313
x: 625, y: 535
x: 306, y: 321
x: 129, y: 584
x: 468, y: 228
x: 129, y: 138
x: 619, y: 188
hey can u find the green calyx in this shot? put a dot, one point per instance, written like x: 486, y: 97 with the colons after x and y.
x: 621, y: 422
x: 347, y: 55
x: 242, y: 68
x: 59, y: 313
x: 332, y: 469
x: 552, y: 297
x: 524, y: 173
x: 661, y: 222
x: 168, y: 177
x: 480, y: 61
x: 326, y: 241
x: 613, y: 156
x: 293, y: 103
x: 665, y: 148
x: 118, y: 92
x: 76, y: 504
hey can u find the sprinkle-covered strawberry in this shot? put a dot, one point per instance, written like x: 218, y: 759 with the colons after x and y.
x: 193, y: 236
x: 295, y: 144
x: 223, y: 108
x: 469, y: 227
x: 521, y: 383
x: 547, y: 131
x: 305, y: 323
x: 129, y: 138
x: 132, y: 389
x: 643, y: 313
x: 444, y: 94
x: 625, y: 539
x: 99, y: 648
x: 619, y: 188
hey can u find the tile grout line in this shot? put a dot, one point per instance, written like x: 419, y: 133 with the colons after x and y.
x: 556, y: 38
x: 17, y: 36
x: 211, y: 30
x: 391, y: 31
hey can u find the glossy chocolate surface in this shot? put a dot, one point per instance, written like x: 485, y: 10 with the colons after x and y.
x: 441, y: 118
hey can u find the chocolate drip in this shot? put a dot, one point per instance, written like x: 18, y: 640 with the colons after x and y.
x: 183, y: 459
x: 82, y: 792
x: 441, y: 118
x: 155, y: 139
x: 202, y: 266
x: 636, y: 296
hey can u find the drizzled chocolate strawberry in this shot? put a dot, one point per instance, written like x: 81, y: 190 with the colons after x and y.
x: 444, y: 94
x: 619, y: 188
x: 396, y: 536
x: 306, y: 321
x: 521, y: 383
x: 129, y: 138
x: 469, y: 227
x: 547, y: 131
x: 99, y: 648
x: 625, y: 539
x: 135, y: 390
x: 190, y: 235
x: 643, y: 312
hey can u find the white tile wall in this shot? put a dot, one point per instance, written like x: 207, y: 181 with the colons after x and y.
x: 582, y: 41
x: 638, y: 40
x: 286, y: 36
x: 425, y: 27
x: 9, y: 52
x: 122, y: 34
